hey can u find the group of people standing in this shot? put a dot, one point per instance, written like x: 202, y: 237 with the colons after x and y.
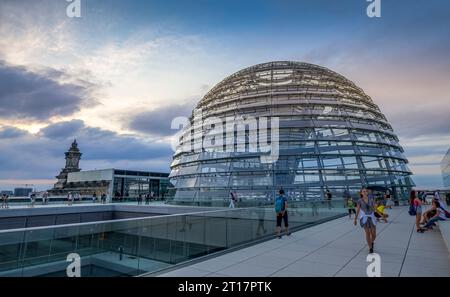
x: 368, y: 210
x: 31, y: 197
x: 71, y: 197
x: 380, y: 205
x: 148, y: 197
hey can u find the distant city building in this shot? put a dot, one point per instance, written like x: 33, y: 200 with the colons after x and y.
x: 115, y: 183
x: 445, y: 167
x: 22, y: 192
x: 118, y: 183
x: 10, y: 193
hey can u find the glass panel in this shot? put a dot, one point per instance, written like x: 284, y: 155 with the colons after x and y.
x: 137, y: 246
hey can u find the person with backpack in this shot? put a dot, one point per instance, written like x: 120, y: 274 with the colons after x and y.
x: 365, y: 212
x: 415, y: 209
x: 281, y: 206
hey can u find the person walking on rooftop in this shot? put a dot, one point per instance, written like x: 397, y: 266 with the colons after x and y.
x: 388, y: 199
x: 365, y: 212
x: 328, y: 196
x: 5, y: 198
x: 261, y: 213
x: 233, y: 199
x: 281, y: 206
x: 32, y: 199
x: 121, y: 249
x: 69, y: 199
x: 351, y: 207
x: 44, y: 198
x: 416, y: 207
x: 103, y: 198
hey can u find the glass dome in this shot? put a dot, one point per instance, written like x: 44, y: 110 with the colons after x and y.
x: 331, y: 135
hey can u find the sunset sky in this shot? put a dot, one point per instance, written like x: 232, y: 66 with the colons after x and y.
x: 116, y: 77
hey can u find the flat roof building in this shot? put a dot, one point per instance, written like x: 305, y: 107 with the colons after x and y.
x: 115, y: 183
x: 22, y: 192
x: 118, y: 183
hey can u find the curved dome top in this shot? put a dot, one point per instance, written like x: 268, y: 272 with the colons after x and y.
x: 279, y: 74
x: 327, y: 134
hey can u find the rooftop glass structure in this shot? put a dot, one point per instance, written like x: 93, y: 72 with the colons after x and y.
x: 330, y: 135
x: 127, y: 240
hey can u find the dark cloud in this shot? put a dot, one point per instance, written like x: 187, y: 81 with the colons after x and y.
x: 11, y: 132
x: 26, y: 94
x: 62, y: 130
x: 158, y: 122
x: 419, y: 121
x: 41, y: 156
x: 104, y: 144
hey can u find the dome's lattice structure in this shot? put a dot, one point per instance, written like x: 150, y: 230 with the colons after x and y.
x: 331, y: 136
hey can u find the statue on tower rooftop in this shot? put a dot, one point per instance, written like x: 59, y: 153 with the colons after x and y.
x: 73, y: 157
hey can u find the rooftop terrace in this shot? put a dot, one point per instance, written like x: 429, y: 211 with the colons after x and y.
x: 334, y: 248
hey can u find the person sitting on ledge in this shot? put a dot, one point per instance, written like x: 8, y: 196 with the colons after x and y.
x: 439, y: 215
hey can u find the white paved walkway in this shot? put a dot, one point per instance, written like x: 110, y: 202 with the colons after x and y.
x: 335, y: 248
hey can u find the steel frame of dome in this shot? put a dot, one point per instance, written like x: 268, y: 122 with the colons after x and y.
x: 331, y: 136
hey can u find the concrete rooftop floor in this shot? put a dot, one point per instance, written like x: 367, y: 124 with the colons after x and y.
x: 336, y: 248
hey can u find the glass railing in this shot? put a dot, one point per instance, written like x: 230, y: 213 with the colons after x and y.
x: 136, y: 246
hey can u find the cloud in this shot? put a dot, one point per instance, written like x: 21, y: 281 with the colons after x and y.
x: 26, y: 94
x: 158, y: 121
x: 423, y: 120
x: 62, y: 130
x: 22, y: 157
x: 11, y: 132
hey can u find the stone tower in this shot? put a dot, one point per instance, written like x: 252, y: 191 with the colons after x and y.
x: 73, y: 156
